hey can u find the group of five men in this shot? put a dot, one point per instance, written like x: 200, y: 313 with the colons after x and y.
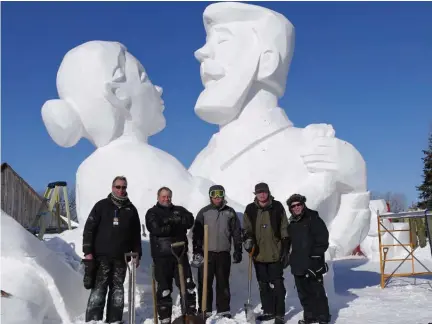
x: 274, y: 242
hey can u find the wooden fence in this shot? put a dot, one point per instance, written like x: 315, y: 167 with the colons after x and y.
x: 18, y: 199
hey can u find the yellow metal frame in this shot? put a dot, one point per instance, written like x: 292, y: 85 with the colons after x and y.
x: 383, y: 248
x: 51, y: 200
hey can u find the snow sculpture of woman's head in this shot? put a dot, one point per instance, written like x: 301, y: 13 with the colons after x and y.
x: 104, y: 93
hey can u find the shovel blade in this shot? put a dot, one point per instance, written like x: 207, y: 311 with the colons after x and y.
x: 250, y: 316
x: 189, y: 319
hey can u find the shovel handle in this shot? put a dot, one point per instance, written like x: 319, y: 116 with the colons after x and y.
x: 177, y: 245
x: 250, y: 273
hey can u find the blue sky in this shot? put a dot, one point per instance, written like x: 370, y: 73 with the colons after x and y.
x: 364, y: 67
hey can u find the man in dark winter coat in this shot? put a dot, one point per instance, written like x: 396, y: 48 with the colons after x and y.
x: 112, y: 229
x: 223, y: 227
x: 309, y: 240
x: 168, y: 224
x: 265, y: 229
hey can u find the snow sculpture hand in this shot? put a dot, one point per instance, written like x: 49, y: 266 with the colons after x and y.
x: 320, y: 153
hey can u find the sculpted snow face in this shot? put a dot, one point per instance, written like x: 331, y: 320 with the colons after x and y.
x: 102, y: 88
x: 107, y: 97
x: 244, y: 67
x: 245, y: 46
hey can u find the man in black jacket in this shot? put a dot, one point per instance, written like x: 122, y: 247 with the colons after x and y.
x: 223, y: 227
x: 265, y: 229
x: 168, y: 224
x: 309, y: 240
x: 112, y: 229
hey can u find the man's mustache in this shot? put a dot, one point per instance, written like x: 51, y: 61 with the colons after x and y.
x: 210, y: 70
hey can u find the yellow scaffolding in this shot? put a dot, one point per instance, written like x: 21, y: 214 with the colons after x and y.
x: 51, y: 207
x: 410, y: 248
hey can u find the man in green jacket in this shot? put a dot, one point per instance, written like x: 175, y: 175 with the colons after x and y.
x: 265, y: 226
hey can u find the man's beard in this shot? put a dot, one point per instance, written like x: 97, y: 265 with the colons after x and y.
x: 222, y: 101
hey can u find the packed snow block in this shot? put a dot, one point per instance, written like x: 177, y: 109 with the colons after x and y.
x: 30, y: 301
x: 370, y: 245
x: 351, y: 224
x: 40, y: 271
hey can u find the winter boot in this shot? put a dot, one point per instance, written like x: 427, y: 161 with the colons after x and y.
x: 224, y: 314
x: 265, y: 317
x: 279, y: 320
x: 308, y: 322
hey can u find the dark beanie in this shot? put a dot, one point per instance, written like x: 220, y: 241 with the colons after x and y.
x: 295, y: 198
x: 216, y: 187
x: 262, y: 187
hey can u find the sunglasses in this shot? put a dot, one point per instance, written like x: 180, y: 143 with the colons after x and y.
x: 295, y: 205
x: 217, y: 194
x: 120, y: 187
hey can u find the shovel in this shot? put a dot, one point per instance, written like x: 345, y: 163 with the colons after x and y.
x: 250, y: 317
x: 184, y: 318
x: 205, y: 274
x: 132, y: 285
x: 155, y: 313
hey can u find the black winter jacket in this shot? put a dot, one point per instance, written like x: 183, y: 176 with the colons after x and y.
x: 111, y: 231
x: 309, y: 239
x: 167, y: 225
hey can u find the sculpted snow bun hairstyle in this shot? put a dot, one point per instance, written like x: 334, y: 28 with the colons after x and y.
x: 87, y: 87
x: 62, y: 122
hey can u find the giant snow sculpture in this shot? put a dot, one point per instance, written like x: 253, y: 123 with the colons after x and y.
x: 107, y: 97
x: 244, y: 66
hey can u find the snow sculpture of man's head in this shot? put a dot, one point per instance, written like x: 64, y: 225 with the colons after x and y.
x: 104, y: 92
x: 248, y: 47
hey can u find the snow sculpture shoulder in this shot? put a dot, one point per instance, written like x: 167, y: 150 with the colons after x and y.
x: 107, y: 97
x: 244, y: 67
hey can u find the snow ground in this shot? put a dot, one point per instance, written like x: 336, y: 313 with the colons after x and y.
x: 358, y: 300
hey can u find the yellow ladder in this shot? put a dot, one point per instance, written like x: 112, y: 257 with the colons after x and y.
x: 51, y: 207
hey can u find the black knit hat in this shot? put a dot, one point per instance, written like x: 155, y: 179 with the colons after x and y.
x: 295, y: 198
x: 216, y: 187
x: 262, y: 187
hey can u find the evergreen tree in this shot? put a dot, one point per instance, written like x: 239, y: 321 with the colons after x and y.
x: 425, y: 188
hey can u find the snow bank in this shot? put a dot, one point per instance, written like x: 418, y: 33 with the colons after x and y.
x: 43, y: 287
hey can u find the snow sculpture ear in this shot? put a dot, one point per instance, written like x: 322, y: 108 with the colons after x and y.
x: 62, y: 122
x: 268, y: 64
x: 116, y: 96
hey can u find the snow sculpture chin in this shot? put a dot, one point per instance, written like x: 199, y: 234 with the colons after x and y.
x: 107, y: 97
x: 244, y: 67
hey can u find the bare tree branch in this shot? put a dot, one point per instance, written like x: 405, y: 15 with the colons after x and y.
x: 396, y: 200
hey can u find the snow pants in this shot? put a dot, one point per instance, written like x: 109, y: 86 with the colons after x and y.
x: 110, y: 275
x: 313, y: 298
x: 165, y: 270
x: 271, y: 286
x: 219, y: 267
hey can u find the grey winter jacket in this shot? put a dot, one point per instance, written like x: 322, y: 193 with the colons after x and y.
x: 223, y: 228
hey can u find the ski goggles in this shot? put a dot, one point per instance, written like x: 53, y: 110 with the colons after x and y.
x: 217, y: 194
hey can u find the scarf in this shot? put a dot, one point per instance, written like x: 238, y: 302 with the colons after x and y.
x: 119, y: 201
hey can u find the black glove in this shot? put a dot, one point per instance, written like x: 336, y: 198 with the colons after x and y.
x: 176, y: 219
x: 237, y: 256
x: 197, y: 260
x: 248, y: 244
x: 284, y: 254
x: 285, y: 260
x: 317, y: 267
x: 89, y: 273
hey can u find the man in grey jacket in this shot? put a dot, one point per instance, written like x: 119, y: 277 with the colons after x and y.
x: 223, y: 228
